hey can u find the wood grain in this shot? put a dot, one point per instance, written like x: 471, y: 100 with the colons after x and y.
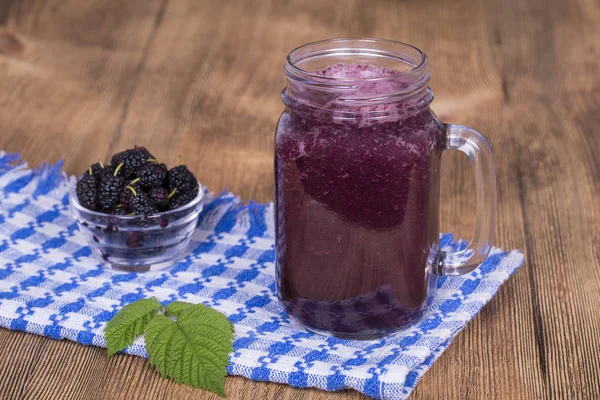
x: 201, y: 79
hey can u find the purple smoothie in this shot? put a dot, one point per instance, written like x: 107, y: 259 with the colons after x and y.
x: 357, y: 204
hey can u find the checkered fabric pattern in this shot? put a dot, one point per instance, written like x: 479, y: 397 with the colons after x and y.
x: 51, y: 285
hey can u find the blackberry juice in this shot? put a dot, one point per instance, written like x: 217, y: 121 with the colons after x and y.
x: 357, y: 195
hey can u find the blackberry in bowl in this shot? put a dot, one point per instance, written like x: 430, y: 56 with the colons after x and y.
x: 133, y: 225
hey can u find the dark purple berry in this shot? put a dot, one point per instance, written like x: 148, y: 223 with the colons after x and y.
x: 109, y: 191
x: 129, y: 191
x: 87, y: 192
x: 142, y: 204
x: 134, y: 240
x: 160, y: 197
x: 99, y: 170
x: 164, y: 223
x: 131, y: 159
x: 144, y: 150
x: 120, y: 171
x: 118, y: 210
x: 104, y: 172
x: 181, y: 199
x: 110, y: 228
x: 152, y: 175
x: 182, y: 179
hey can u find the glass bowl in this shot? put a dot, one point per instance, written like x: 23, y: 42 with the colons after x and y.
x: 138, y: 243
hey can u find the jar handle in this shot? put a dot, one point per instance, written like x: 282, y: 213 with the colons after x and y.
x: 471, y: 143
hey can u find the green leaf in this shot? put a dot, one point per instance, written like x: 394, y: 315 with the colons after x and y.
x: 129, y: 323
x: 194, y: 350
x: 176, y: 308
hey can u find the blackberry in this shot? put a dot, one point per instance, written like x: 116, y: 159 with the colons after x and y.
x: 142, y: 204
x: 119, y: 170
x: 132, y: 160
x: 144, y: 150
x: 87, y: 193
x: 118, y: 210
x: 129, y: 191
x: 160, y: 197
x: 152, y: 175
x: 135, y: 240
x: 103, y: 172
x: 182, y: 179
x: 109, y: 191
x: 181, y: 199
x: 96, y: 169
x: 134, y: 182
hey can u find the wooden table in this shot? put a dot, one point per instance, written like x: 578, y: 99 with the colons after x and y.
x: 201, y: 79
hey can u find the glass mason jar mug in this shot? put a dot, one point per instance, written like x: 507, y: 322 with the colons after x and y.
x: 357, y: 178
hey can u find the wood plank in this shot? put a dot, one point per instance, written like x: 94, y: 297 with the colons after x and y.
x: 68, y: 70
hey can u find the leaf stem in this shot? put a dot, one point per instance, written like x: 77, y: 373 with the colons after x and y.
x: 118, y: 168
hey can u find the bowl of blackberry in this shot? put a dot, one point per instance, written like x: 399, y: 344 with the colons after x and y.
x: 136, y: 213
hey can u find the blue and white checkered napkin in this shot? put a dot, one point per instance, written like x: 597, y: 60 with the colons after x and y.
x: 51, y: 285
